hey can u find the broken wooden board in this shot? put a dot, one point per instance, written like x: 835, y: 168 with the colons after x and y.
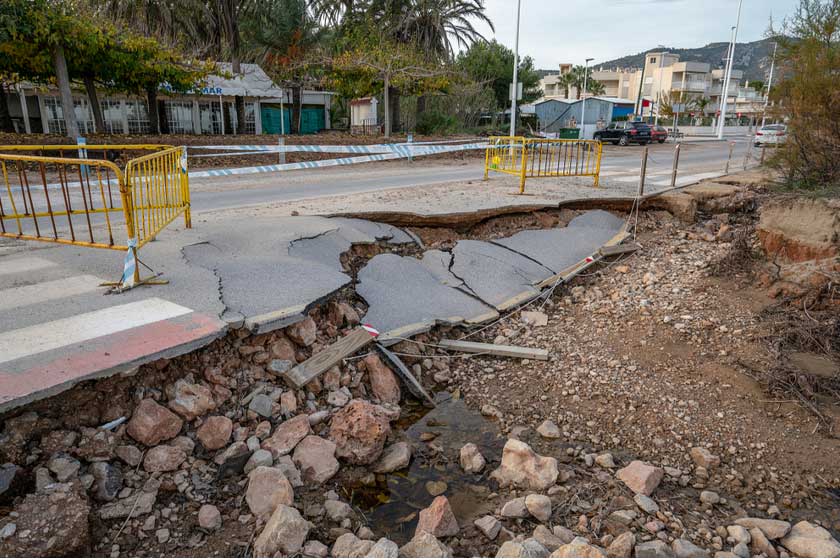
x: 405, y: 374
x: 619, y: 249
x: 303, y: 373
x: 494, y: 349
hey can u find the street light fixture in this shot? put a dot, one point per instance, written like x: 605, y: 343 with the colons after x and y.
x: 515, y: 88
x: 725, y: 93
x: 582, y: 135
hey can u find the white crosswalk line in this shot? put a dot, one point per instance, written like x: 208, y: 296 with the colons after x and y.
x: 32, y: 294
x: 73, y: 330
x: 27, y: 264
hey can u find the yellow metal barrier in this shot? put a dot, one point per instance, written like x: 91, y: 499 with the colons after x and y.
x: 542, y: 157
x: 71, y: 200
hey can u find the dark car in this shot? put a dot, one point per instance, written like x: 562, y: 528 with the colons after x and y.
x: 658, y: 133
x: 624, y: 133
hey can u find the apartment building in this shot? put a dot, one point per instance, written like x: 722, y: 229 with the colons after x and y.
x: 664, y: 73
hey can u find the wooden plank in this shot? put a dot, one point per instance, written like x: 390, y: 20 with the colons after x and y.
x: 303, y: 373
x: 405, y: 374
x: 494, y: 349
x: 619, y: 249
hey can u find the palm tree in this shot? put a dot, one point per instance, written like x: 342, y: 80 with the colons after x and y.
x: 595, y: 87
x: 567, y: 80
x: 439, y: 26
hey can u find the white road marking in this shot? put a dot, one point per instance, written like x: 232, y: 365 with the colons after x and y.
x: 74, y: 330
x: 32, y: 294
x: 689, y: 179
x: 16, y: 266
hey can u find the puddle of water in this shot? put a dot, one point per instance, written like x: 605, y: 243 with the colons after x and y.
x: 391, y: 506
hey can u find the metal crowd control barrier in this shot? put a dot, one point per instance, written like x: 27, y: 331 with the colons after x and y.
x: 543, y: 157
x: 71, y: 200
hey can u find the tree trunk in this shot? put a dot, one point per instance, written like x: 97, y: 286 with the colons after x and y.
x: 297, y: 105
x: 6, y: 124
x: 98, y: 121
x: 63, y: 81
x: 386, y: 106
x: 154, y: 119
x: 226, y: 119
x: 421, y: 105
x: 394, y: 97
x: 239, y: 103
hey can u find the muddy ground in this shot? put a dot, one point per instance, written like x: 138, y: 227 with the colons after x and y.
x: 655, y: 353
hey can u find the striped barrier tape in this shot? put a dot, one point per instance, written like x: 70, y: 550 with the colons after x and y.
x: 408, y: 149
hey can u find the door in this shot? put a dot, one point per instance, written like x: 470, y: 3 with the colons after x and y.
x: 311, y: 120
x: 270, y: 115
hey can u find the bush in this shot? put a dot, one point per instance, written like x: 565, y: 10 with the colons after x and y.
x: 435, y: 122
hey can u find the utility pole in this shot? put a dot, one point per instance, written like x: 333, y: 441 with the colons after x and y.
x: 725, y: 92
x: 769, y: 84
x: 583, y: 104
x: 638, y: 108
x: 515, y: 87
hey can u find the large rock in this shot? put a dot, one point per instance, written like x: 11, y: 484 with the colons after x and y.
x: 284, y: 533
x: 267, y: 489
x: 438, y: 519
x: 163, y: 458
x: 315, y: 457
x: 800, y: 230
x: 472, y: 461
x: 539, y: 506
x: 287, y: 436
x: 152, y: 423
x: 686, y: 549
x: 772, y: 528
x: 521, y: 467
x: 191, y: 400
x: 641, y: 477
x: 349, y: 545
x: 134, y: 505
x: 579, y: 548
x: 807, y: 540
x: 683, y: 206
x: 359, y: 431
x: 384, y: 548
x: 489, y: 525
x: 654, y: 549
x: 209, y: 517
x: 529, y: 548
x: 702, y: 457
x: 215, y: 432
x: 303, y: 332
x: 622, y: 546
x: 394, y: 458
x: 49, y: 525
x: 425, y: 545
x: 383, y: 382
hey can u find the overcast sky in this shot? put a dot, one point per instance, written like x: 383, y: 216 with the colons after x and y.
x: 554, y: 31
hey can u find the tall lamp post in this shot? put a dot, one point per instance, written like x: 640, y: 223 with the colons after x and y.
x: 515, y: 87
x: 725, y: 93
x: 769, y: 85
x: 582, y: 135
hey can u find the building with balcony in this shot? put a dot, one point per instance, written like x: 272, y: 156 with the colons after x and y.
x: 665, y: 76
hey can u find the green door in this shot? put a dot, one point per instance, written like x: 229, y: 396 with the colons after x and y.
x: 270, y: 115
x: 311, y: 120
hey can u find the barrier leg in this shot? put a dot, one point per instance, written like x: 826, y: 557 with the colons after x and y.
x: 487, y: 163
x: 522, y: 171
x: 185, y: 188
x: 598, y: 165
x: 676, y: 165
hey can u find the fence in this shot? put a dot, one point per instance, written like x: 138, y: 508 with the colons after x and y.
x: 542, y: 157
x: 72, y: 200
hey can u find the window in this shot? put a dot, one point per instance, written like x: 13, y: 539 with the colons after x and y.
x: 653, y: 60
x: 179, y: 116
x: 55, y: 116
x: 138, y: 116
x: 112, y: 115
x: 210, y: 117
x: 250, y: 117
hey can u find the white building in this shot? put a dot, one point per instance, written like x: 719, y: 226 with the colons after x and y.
x: 211, y: 110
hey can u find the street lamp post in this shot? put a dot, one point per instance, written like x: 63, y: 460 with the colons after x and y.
x: 769, y: 85
x: 582, y: 135
x: 515, y: 87
x: 730, y: 62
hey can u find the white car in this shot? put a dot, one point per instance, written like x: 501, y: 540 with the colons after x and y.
x: 771, y: 134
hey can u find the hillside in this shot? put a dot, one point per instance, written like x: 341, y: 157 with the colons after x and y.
x: 753, y: 58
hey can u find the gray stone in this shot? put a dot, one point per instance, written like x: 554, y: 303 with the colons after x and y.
x: 772, y: 528
x: 337, y: 510
x: 709, y: 497
x: 394, y: 458
x: 515, y: 509
x: 315, y: 549
x: 549, y: 430
x: 646, y: 504
x: 809, y: 541
x: 279, y: 367
x: 64, y: 467
x: 261, y: 404
x: 284, y: 533
x: 472, y: 461
x: 384, y: 548
x: 260, y: 458
x: 653, y: 549
x: 425, y: 545
x: 488, y: 525
x: 539, y: 506
x: 7, y: 475
x: 108, y: 480
x: 686, y: 549
x: 287, y: 465
x: 349, y: 545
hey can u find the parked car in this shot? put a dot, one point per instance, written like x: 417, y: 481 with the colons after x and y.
x: 771, y: 134
x: 624, y: 133
x: 658, y: 133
